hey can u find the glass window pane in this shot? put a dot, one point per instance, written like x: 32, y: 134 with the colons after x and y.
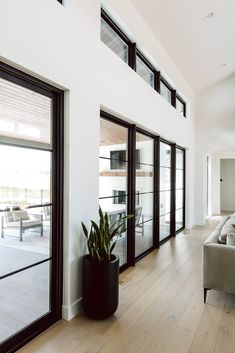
x: 113, y: 41
x: 164, y: 226
x: 121, y: 248
x: 144, y: 149
x: 110, y: 180
x: 25, y: 206
x: 24, y: 298
x: 115, y: 211
x: 144, y: 179
x: 24, y: 114
x: 113, y: 176
x: 143, y: 237
x: 144, y: 208
x: 178, y: 219
x: 179, y: 179
x: 165, y: 179
x: 165, y: 155
x: 113, y: 142
x: 179, y: 199
x: 179, y: 158
x: 165, y: 92
x: 179, y: 106
x: 144, y: 71
x: 165, y: 202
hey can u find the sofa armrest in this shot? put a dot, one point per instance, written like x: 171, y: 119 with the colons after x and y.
x: 219, y: 267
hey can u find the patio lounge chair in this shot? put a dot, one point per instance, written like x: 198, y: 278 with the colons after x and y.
x: 20, y: 220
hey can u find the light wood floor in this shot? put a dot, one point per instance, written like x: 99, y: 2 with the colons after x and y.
x: 161, y: 310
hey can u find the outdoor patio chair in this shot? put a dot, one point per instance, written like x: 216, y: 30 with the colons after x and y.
x: 20, y: 220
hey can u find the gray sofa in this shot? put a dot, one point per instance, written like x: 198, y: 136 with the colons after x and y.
x: 219, y: 259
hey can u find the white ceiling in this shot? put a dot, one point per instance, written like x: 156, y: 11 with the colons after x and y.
x: 198, y: 46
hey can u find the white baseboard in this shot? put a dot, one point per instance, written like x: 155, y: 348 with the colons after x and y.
x: 68, y: 312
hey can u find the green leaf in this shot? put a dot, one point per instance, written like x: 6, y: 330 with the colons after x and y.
x: 85, y: 230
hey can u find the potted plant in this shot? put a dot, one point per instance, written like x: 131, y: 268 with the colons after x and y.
x: 101, y: 267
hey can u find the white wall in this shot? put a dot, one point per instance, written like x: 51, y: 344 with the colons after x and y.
x: 215, y: 131
x: 215, y: 179
x: 227, y: 189
x: 61, y: 45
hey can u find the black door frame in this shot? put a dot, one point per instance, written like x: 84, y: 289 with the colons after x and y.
x: 131, y: 180
x: 56, y: 280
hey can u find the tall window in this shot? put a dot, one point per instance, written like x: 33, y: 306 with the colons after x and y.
x: 180, y: 189
x: 30, y: 213
x: 145, y: 189
x: 165, y: 190
x: 113, y: 176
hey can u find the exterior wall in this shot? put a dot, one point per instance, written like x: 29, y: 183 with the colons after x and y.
x: 61, y: 45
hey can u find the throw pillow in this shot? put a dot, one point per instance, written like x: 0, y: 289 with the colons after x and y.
x: 20, y: 214
x: 227, y: 228
x: 230, y: 240
x: 232, y: 221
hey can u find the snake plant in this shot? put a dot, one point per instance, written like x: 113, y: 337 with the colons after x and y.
x: 102, y: 237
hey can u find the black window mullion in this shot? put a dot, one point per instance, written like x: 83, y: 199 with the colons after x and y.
x: 157, y: 76
x: 173, y: 180
x: 156, y: 181
x: 132, y: 56
x: 184, y: 182
x: 173, y: 98
x: 131, y: 195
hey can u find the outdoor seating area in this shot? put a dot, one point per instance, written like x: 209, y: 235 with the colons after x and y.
x: 20, y: 220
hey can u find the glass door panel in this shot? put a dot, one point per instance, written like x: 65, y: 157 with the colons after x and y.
x: 27, y: 196
x: 179, y: 189
x: 113, y: 174
x: 165, y: 190
x: 144, y: 194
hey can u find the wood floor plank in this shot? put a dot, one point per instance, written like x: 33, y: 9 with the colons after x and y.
x: 161, y: 309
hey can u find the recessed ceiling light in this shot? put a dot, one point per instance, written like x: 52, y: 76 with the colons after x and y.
x: 209, y: 15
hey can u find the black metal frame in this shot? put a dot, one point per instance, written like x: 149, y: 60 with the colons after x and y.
x: 133, y: 52
x: 152, y: 136
x: 131, y: 192
x: 184, y: 186
x: 173, y: 91
x: 121, y: 34
x: 183, y: 102
x: 172, y: 200
x: 149, y: 66
x: 22, y: 337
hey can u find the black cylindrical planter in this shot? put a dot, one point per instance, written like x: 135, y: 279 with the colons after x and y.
x: 100, y: 287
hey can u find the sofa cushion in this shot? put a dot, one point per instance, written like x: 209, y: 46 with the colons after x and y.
x: 227, y: 228
x: 230, y: 239
x: 222, y: 222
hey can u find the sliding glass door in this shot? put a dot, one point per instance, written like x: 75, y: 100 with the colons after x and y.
x: 144, y: 193
x: 141, y: 175
x: 165, y: 190
x: 179, y: 189
x: 30, y: 207
x: 113, y: 183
